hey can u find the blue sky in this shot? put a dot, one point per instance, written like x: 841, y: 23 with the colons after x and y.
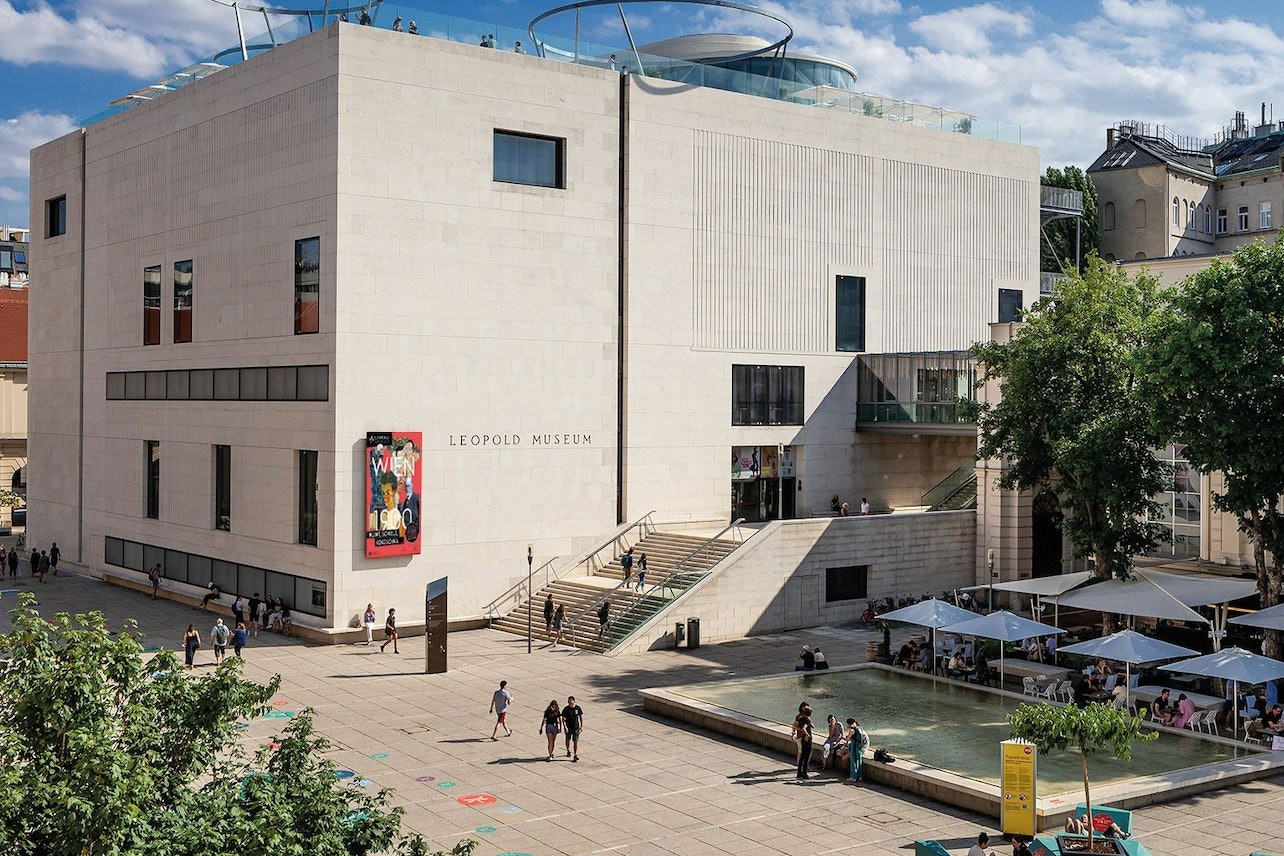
x: 1063, y: 70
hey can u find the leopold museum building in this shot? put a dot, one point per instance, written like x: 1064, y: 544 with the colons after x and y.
x: 371, y: 308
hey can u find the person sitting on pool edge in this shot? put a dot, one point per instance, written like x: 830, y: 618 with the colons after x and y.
x: 808, y: 659
x: 1159, y: 708
x: 906, y: 656
x: 978, y: 849
x: 1080, y: 826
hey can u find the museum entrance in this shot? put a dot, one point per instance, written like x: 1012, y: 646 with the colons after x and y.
x: 1045, y: 526
x: 764, y: 483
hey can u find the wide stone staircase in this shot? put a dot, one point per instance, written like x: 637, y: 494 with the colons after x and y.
x: 675, y: 562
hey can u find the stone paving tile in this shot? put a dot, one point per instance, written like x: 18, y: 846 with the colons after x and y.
x: 643, y: 785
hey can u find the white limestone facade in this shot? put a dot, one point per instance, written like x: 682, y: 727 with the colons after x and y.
x: 567, y: 352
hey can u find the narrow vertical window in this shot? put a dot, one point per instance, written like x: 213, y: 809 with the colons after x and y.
x: 55, y: 217
x: 151, y: 305
x: 1176, y: 211
x: 849, y: 313
x: 308, y: 497
x: 153, y: 479
x: 183, y: 301
x: 1242, y: 218
x: 223, y: 488
x: 307, y: 285
x: 1264, y: 217
x: 1208, y: 220
x: 1221, y: 221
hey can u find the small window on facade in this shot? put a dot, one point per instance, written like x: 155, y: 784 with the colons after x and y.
x: 201, y: 385
x: 766, y: 395
x: 1139, y: 213
x: 307, y: 286
x: 1010, y: 304
x: 1176, y: 211
x: 254, y: 384
x: 308, y: 497
x: 1208, y: 220
x: 177, y: 385
x: 153, y: 463
x: 227, y: 384
x: 151, y: 305
x: 1108, y: 216
x: 6, y: 260
x: 1242, y: 223
x: 849, y: 313
x: 55, y: 217
x: 223, y: 488
x: 1264, y: 215
x: 155, y: 383
x: 281, y: 382
x: 846, y: 583
x: 314, y: 383
x: 1221, y: 221
x: 529, y: 159
x: 183, y: 301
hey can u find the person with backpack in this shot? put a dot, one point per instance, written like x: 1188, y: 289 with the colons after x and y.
x: 239, y: 638
x: 219, y: 634
x: 626, y: 562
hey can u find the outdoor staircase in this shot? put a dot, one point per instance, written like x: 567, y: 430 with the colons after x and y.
x: 955, y: 492
x: 675, y: 562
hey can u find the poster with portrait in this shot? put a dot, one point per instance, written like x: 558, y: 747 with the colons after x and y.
x: 393, y: 483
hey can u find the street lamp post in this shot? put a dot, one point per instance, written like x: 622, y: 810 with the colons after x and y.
x: 530, y: 595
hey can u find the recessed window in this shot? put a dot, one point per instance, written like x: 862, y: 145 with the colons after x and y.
x: 1264, y: 215
x: 1208, y: 220
x: 1242, y: 219
x: 1221, y: 221
x: 183, y: 301
x: 1009, y: 305
x: 850, y: 582
x: 1108, y: 216
x: 308, y: 497
x: 152, y: 462
x: 529, y: 159
x: 307, y: 285
x: 849, y: 313
x: 55, y: 217
x: 6, y: 260
x: 1176, y: 211
x: 151, y: 305
x: 223, y: 488
x: 766, y: 395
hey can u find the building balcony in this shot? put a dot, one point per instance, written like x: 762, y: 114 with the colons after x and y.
x: 919, y: 393
x: 1058, y: 202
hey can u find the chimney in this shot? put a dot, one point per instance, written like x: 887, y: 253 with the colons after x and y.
x: 1110, y: 138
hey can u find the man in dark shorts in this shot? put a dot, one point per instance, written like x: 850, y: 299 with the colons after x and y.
x: 573, y: 720
x: 390, y: 632
x: 548, y: 613
x: 54, y: 555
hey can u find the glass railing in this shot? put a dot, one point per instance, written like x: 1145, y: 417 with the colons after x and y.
x: 950, y: 485
x: 1061, y: 199
x: 916, y: 412
x: 1048, y: 282
x: 623, y: 59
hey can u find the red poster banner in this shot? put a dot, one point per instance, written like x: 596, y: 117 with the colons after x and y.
x: 393, y: 482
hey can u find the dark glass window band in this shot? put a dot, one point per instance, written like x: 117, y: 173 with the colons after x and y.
x: 258, y: 383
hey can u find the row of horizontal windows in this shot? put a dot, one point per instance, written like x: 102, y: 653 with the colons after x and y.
x: 300, y: 594
x: 259, y: 383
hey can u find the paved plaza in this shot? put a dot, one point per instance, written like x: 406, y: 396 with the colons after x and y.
x: 643, y: 785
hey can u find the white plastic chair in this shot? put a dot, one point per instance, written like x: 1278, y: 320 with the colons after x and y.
x: 1196, y: 721
x: 1029, y: 687
x: 1249, y: 711
x: 1066, y: 691
x: 1110, y: 682
x: 1050, y: 691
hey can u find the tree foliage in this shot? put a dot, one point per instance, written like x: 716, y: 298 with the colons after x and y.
x: 1086, y: 730
x: 1057, y: 247
x: 1216, y: 375
x: 1071, y: 420
x: 104, y: 750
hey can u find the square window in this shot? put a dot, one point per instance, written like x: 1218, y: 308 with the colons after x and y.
x: 314, y: 383
x: 529, y: 159
x: 282, y: 383
x: 227, y: 384
x: 254, y: 384
x: 176, y: 385
x: 846, y: 583
x: 1010, y: 300
x: 115, y: 386
x: 201, y: 385
x: 55, y: 217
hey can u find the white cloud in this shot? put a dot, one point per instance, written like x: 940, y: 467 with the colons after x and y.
x: 970, y: 28
x: 18, y: 136
x: 1149, y: 14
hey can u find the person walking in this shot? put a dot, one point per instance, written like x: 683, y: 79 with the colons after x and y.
x: 154, y: 577
x: 499, y: 702
x: 54, y: 555
x: 13, y: 563
x: 802, y: 738
x: 44, y: 565
x: 559, y: 618
x: 603, y: 619
x: 239, y: 638
x: 191, y: 641
x: 626, y: 562
x: 390, y: 632
x: 548, y: 614
x: 370, y: 619
x: 641, y: 572
x: 238, y: 610
x: 573, y: 721
x: 219, y: 635
x: 550, y: 725
x: 256, y: 613
x: 857, y: 743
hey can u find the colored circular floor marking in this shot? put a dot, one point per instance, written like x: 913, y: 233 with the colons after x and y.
x: 426, y: 779
x: 520, y: 853
x: 280, y: 703
x: 486, y: 830
x: 445, y: 784
x: 147, y: 649
x: 241, y: 725
x: 364, y: 783
x: 379, y: 756
x: 477, y: 800
x: 343, y: 774
x: 511, y: 809
x: 279, y: 714
x: 272, y: 744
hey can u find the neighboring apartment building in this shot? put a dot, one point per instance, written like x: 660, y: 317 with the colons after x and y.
x: 1162, y: 195
x: 586, y: 292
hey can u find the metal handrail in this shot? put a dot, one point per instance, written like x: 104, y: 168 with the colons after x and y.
x: 492, y: 610
x: 588, y: 557
x: 658, y: 588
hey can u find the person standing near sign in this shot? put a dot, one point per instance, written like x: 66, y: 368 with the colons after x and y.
x: 390, y: 632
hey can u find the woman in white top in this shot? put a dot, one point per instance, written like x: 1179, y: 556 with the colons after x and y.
x: 370, y: 619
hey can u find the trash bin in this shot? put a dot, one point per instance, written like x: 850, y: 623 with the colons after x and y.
x: 678, y: 633
x: 693, y: 633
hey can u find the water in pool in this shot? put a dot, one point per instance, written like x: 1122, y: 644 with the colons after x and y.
x: 946, y: 725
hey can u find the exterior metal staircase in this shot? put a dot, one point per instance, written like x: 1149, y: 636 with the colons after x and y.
x: 675, y: 562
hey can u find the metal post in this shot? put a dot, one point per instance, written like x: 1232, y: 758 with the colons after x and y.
x: 780, y: 481
x: 530, y: 595
x: 240, y: 33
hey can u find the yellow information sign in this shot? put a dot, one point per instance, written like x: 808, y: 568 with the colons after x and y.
x: 1017, y: 788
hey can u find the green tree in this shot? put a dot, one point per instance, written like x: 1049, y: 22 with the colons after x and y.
x: 1086, y: 730
x: 1057, y: 247
x: 1070, y: 420
x: 1216, y: 374
x: 104, y: 750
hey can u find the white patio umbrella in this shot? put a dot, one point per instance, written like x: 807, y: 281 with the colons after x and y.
x: 1234, y: 665
x: 1272, y: 618
x: 1129, y: 647
x: 931, y: 613
x: 1042, y: 587
x: 1006, y: 627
